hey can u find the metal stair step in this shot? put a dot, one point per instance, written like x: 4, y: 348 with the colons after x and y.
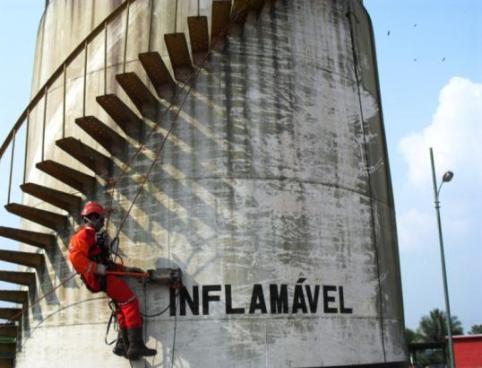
x: 49, y: 219
x: 92, y: 159
x: 65, y: 201
x: 221, y: 11
x: 9, y: 313
x: 41, y: 240
x: 199, y: 37
x: 9, y: 329
x: 18, y: 277
x: 179, y: 56
x: 14, y: 296
x: 8, y: 349
x: 239, y: 13
x: 22, y: 258
x: 7, y: 360
x: 127, y: 119
x: 158, y: 74
x: 256, y: 5
x: 105, y: 136
x: 139, y: 94
x: 78, y: 180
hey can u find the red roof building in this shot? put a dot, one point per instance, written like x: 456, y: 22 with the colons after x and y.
x: 468, y: 351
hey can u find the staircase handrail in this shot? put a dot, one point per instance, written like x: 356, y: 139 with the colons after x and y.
x: 58, y: 72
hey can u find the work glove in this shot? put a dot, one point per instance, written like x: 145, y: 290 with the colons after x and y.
x: 100, y: 269
x: 134, y: 269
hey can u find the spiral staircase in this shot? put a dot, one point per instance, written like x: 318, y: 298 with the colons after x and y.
x: 185, y: 58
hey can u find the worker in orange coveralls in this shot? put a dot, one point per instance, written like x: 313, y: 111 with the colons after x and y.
x: 90, y: 256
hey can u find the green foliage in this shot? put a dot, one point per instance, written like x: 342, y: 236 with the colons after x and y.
x: 433, y: 328
x: 412, y: 336
x: 476, y: 330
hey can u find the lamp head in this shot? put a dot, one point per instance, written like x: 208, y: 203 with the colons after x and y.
x: 447, y: 176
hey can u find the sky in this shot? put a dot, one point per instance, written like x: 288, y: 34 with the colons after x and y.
x: 430, y: 70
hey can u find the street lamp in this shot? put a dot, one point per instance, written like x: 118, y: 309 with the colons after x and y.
x: 436, y: 191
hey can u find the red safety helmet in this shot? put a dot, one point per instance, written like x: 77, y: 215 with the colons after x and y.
x: 92, y: 207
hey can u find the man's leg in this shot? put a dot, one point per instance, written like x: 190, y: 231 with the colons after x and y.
x: 128, y: 305
x: 122, y: 344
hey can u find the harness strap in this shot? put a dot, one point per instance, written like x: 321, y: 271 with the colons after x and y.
x: 112, y: 317
x: 133, y: 297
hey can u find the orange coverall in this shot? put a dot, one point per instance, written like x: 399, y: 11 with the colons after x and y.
x: 84, y: 253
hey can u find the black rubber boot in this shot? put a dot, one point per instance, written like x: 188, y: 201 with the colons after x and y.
x: 137, y: 348
x: 122, y: 343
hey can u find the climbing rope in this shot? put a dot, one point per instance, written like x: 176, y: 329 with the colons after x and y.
x: 38, y: 300
x: 113, y: 182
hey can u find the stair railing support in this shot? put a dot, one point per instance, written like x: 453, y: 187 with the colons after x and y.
x: 105, y: 58
x: 26, y: 147
x: 126, y: 36
x: 64, y: 100
x: 175, y: 19
x: 44, y: 121
x: 151, y: 11
x: 11, y: 166
x: 85, y: 78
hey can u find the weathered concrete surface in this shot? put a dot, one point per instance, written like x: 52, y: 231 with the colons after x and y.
x: 275, y: 177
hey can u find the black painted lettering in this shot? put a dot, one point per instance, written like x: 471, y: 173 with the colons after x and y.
x: 172, y: 302
x: 193, y: 301
x: 278, y: 299
x: 327, y: 299
x: 312, y: 298
x: 257, y: 300
x: 342, y: 302
x: 229, y: 302
x: 209, y: 298
x: 299, y: 300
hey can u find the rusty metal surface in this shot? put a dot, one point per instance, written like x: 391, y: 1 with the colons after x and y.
x: 92, y: 159
x: 18, y: 277
x: 108, y: 138
x: 219, y: 20
x: 199, y: 37
x: 76, y: 179
x: 125, y: 118
x: 23, y: 258
x: 16, y: 296
x: 140, y: 95
x: 158, y: 74
x: 65, y: 201
x: 179, y: 55
x: 41, y: 240
x: 49, y: 219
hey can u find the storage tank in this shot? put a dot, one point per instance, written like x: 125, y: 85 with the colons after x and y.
x: 240, y: 141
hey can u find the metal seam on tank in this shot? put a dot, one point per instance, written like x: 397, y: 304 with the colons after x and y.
x: 349, y: 13
x: 187, y: 319
x: 282, y: 179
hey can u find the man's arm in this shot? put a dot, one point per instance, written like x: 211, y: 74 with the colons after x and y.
x: 79, y: 248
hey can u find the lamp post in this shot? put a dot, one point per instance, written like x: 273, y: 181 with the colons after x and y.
x: 436, y: 190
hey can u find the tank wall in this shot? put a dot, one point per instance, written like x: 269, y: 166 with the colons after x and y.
x: 272, y: 194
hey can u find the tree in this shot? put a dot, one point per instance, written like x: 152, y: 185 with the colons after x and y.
x: 412, y: 336
x: 475, y: 330
x: 433, y: 327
